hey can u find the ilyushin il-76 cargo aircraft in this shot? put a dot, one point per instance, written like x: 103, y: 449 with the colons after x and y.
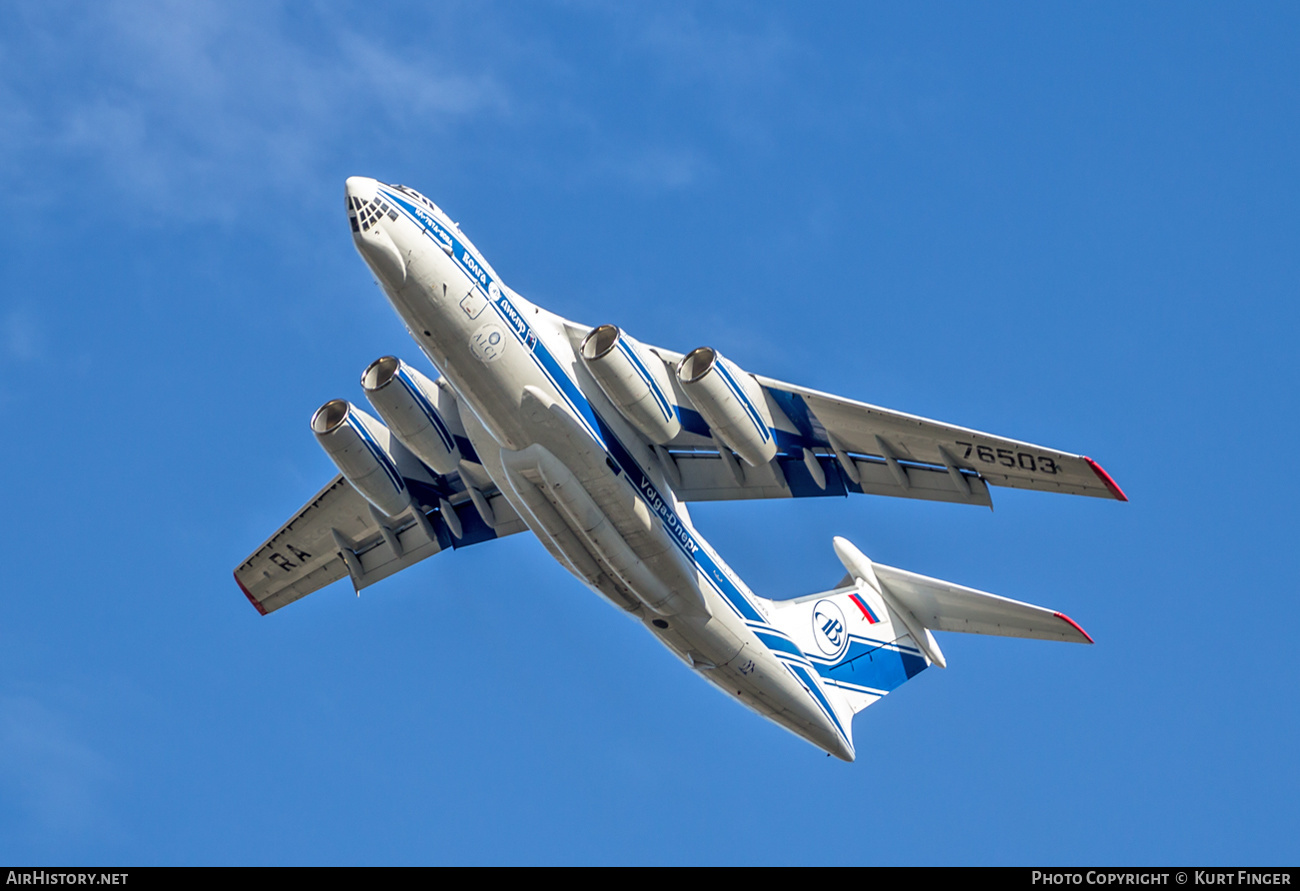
x: 596, y: 443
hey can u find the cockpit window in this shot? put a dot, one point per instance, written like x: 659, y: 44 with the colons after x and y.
x: 411, y: 193
x: 369, y: 213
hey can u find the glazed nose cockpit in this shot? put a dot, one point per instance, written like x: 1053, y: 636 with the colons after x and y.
x: 366, y: 205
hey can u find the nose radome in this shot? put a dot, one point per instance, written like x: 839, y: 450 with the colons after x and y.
x: 362, y: 188
x: 367, y: 209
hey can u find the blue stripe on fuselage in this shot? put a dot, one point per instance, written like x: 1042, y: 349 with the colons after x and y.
x: 778, y: 643
x: 873, y: 666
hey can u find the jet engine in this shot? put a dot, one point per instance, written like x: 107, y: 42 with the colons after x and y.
x: 363, y: 450
x: 634, y: 379
x: 731, y: 403
x: 409, y: 404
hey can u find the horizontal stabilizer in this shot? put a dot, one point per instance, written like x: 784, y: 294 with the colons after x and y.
x: 944, y: 606
x: 871, y: 633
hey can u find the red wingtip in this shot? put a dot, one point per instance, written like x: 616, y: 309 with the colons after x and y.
x: 1075, y: 625
x: 1105, y: 478
x: 257, y: 606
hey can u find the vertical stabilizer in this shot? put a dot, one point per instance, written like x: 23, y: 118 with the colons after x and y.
x: 855, y: 642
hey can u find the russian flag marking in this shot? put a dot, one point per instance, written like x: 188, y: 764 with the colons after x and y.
x: 866, y: 610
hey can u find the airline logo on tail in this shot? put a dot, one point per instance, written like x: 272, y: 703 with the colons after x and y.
x: 829, y: 628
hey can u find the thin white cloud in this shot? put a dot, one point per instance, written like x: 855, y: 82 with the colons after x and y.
x: 195, y: 108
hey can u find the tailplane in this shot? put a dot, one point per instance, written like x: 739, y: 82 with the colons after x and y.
x: 872, y: 633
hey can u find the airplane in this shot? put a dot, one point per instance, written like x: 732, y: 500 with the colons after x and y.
x: 596, y: 443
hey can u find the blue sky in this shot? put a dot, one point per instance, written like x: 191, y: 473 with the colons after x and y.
x: 1071, y: 224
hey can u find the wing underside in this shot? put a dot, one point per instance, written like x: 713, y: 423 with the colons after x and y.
x: 828, y: 445
x: 338, y: 535
x: 887, y: 436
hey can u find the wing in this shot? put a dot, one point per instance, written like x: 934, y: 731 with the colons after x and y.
x: 337, y: 535
x: 911, y: 452
x: 829, y: 445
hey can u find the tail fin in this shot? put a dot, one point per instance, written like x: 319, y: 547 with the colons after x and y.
x: 853, y: 641
x: 872, y: 633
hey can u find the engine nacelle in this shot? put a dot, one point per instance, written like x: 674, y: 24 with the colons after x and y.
x: 363, y: 450
x: 634, y: 379
x: 731, y: 402
x: 422, y: 417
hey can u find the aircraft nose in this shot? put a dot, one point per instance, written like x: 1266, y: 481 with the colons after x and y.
x: 359, y: 191
x: 366, y: 209
x: 362, y: 187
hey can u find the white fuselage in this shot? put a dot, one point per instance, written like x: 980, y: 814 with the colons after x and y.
x: 575, y: 470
